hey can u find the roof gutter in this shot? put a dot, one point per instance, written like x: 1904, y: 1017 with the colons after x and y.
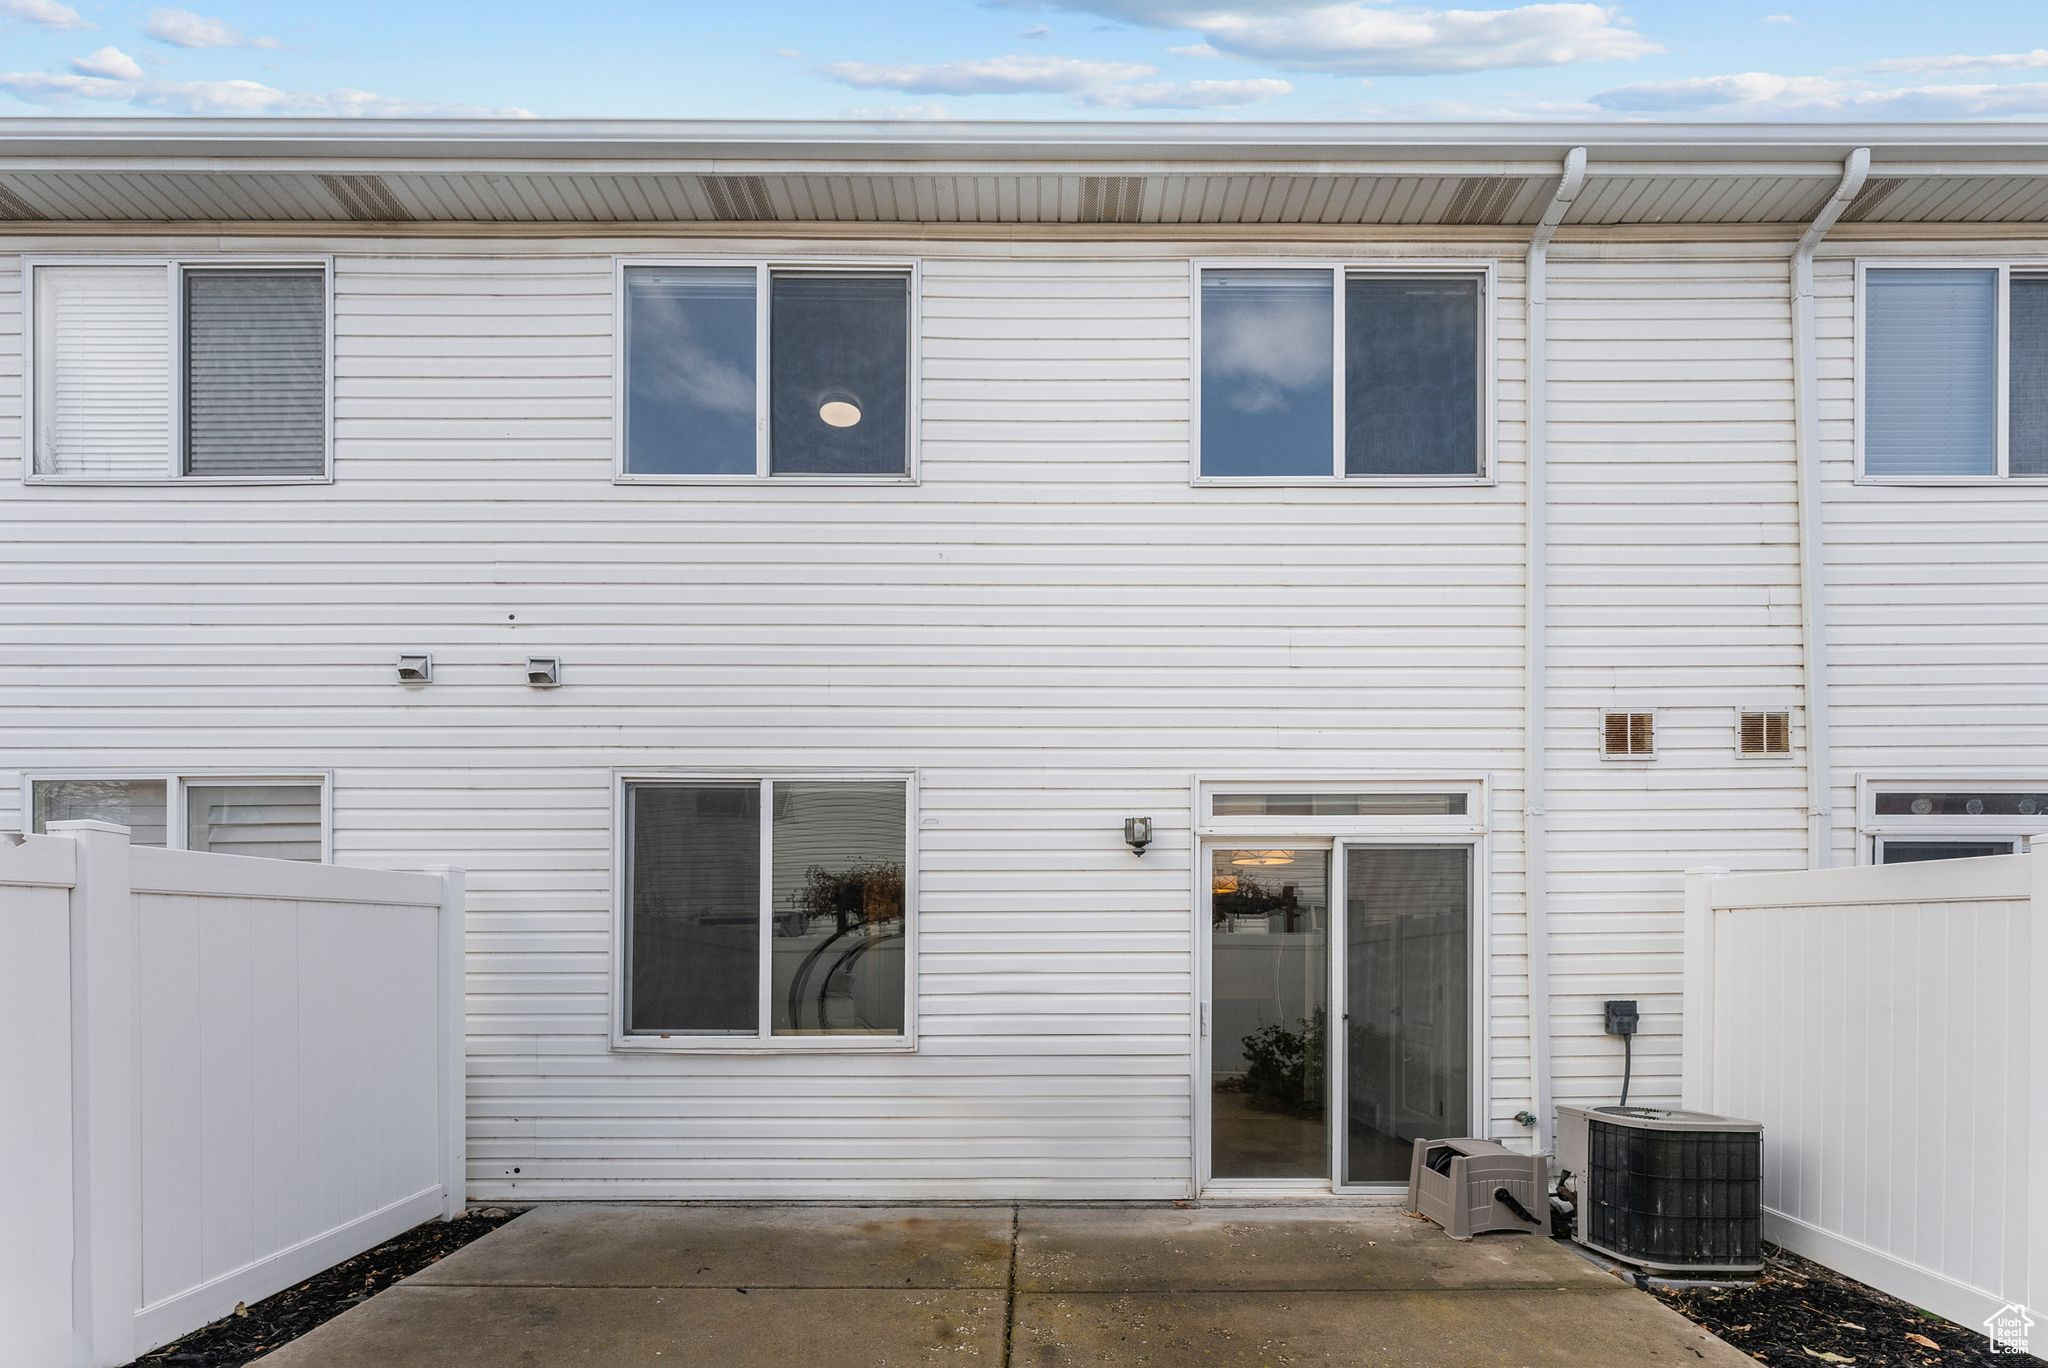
x: 1820, y: 839
x: 1535, y: 835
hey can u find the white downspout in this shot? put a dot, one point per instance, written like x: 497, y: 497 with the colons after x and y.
x: 1535, y: 840
x: 1820, y: 834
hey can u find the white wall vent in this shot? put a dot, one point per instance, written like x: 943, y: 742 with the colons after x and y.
x: 1765, y: 732
x: 1628, y: 735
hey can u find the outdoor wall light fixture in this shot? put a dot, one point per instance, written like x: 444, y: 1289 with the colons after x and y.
x: 415, y: 669
x: 1137, y: 833
x: 543, y: 672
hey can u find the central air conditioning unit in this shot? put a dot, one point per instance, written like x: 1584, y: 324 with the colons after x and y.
x: 1672, y: 1192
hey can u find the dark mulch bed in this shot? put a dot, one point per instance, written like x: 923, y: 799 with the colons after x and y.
x: 255, y: 1330
x: 1801, y: 1315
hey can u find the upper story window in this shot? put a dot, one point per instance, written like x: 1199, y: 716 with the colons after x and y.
x: 277, y: 817
x: 745, y: 371
x: 1335, y: 372
x: 179, y: 370
x: 1955, y: 372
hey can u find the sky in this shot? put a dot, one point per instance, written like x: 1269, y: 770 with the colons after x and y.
x: 1033, y: 59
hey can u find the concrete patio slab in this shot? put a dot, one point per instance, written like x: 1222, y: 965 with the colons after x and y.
x: 1323, y: 1248
x: 724, y: 1246
x: 418, y: 1326
x: 1493, y: 1328
x: 1024, y: 1287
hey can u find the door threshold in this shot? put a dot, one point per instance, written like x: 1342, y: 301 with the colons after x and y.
x: 1257, y: 1190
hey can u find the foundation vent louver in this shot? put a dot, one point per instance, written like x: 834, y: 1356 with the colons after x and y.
x: 1111, y: 199
x: 1481, y: 199
x: 1766, y: 732
x: 1875, y: 193
x: 366, y: 199
x: 15, y: 209
x: 1628, y: 735
x: 737, y: 199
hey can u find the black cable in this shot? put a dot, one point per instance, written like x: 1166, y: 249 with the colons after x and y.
x: 1628, y: 1064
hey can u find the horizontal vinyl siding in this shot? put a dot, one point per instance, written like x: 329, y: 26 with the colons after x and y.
x: 1053, y: 628
x: 1674, y: 587
x: 1937, y: 607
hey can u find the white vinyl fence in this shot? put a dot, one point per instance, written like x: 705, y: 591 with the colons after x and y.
x: 220, y: 1074
x: 1888, y: 1025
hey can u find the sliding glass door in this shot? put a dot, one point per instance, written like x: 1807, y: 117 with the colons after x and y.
x: 1404, y: 1000
x: 1269, y: 974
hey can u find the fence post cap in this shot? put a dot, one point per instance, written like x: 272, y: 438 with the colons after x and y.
x: 85, y: 824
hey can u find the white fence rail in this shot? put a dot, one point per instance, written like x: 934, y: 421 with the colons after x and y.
x: 222, y: 1074
x: 1889, y: 1027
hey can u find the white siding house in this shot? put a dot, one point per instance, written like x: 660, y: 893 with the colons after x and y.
x: 1051, y: 617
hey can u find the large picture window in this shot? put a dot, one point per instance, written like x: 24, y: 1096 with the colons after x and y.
x: 1954, y: 382
x: 753, y: 371
x: 766, y: 910
x: 1335, y: 373
x: 179, y: 370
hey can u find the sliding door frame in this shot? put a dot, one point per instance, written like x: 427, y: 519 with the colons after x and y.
x: 1472, y: 828
x: 1337, y: 1059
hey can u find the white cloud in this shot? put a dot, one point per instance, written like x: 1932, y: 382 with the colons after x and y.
x: 183, y: 28
x: 1782, y: 19
x: 48, y: 13
x: 788, y: 52
x: 226, y: 97
x: 988, y: 75
x: 110, y: 62
x: 1355, y: 39
x: 1201, y: 50
x: 1093, y: 84
x: 1991, y: 61
x: 1037, y: 31
x: 1186, y: 94
x: 1758, y: 94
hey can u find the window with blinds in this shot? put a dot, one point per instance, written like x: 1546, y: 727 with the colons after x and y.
x: 1955, y: 372
x: 157, y: 371
x: 103, y: 371
x: 255, y: 372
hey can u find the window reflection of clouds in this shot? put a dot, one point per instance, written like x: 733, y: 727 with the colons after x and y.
x: 690, y: 370
x: 1267, y: 372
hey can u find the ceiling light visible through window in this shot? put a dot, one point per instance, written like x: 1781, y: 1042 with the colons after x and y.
x: 839, y: 413
x: 1263, y: 857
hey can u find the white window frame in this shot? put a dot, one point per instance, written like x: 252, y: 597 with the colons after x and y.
x: 1485, y: 270
x: 1872, y: 831
x: 176, y: 781
x: 176, y: 268
x: 1471, y: 828
x: 764, y: 270
x: 764, y: 1041
x: 2005, y: 270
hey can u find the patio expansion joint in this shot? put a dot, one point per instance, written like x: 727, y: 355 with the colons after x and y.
x: 1010, y: 1290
